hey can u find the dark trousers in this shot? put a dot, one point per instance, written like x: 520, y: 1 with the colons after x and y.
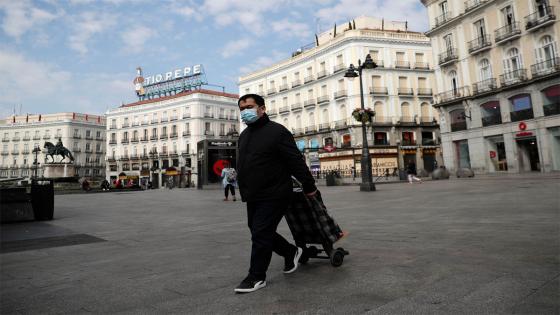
x: 263, y: 218
x: 229, y: 187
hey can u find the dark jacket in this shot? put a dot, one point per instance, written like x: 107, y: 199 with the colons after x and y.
x: 268, y: 157
x: 411, y: 169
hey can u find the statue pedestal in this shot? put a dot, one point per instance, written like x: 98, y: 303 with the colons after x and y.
x: 59, y: 170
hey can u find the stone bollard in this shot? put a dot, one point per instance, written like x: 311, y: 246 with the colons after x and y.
x: 464, y: 172
x: 440, y: 173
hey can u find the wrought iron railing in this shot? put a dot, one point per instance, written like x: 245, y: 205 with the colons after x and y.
x: 507, y: 31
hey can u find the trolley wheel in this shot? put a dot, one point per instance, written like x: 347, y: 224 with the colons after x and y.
x: 337, y: 257
x: 312, y: 251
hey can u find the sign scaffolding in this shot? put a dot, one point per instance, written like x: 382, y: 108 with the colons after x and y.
x: 169, y: 83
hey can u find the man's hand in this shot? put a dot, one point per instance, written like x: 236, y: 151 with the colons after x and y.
x: 311, y: 194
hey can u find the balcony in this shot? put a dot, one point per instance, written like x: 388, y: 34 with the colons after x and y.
x: 209, y: 133
x: 484, y: 86
x: 8, y: 139
x: 296, y: 83
x: 543, y: 17
x: 186, y: 133
x: 298, y: 131
x: 310, y: 129
x: 339, y: 67
x: 308, y: 79
x: 164, y: 119
x: 145, y: 139
x: 382, y: 120
x: 401, y: 64
x: 112, y: 142
x: 125, y: 125
x: 321, y: 74
x: 153, y: 138
x: 90, y: 137
x: 341, y: 124
x: 309, y: 103
x: 271, y: 91
x: 480, y: 44
x: 513, y: 77
x: 111, y: 159
x: 186, y: 115
x: 135, y: 140
x: 15, y: 152
x: 26, y: 138
x: 427, y: 120
x: 458, y: 126
x: 442, y: 19
x: 424, y: 92
x: 324, y: 127
x: 76, y: 136
x: 5, y: 153
x: 508, y: 32
x: 284, y: 109
x: 272, y: 113
x: 407, y: 120
x: 134, y: 157
x: 551, y: 109
x: 88, y: 150
x: 164, y: 136
x: 173, y: 135
x: 36, y: 137
x: 322, y: 99
x: 144, y: 123
x: 491, y: 120
x: 448, y: 57
x: 422, y: 65
x: 472, y: 4
x: 99, y: 151
x: 222, y: 133
x: 154, y: 121
x: 379, y: 63
x: 124, y: 157
x: 283, y: 87
x: 429, y: 142
x: 46, y: 137
x: 25, y: 151
x: 407, y: 142
x: 173, y: 118
x: 378, y: 90
x: 405, y: 91
x: 15, y: 139
x: 124, y: 141
x: 173, y: 153
x: 340, y: 94
x: 523, y: 114
x: 297, y: 106
x: 452, y: 95
x: 113, y: 127
x: 546, y: 67
x: 208, y: 115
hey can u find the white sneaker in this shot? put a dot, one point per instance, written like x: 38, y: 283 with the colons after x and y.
x: 291, y: 266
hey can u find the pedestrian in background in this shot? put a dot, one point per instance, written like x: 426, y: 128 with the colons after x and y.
x: 411, y: 171
x: 229, y: 181
x: 268, y: 158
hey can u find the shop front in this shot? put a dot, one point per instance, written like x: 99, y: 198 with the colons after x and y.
x: 383, y: 161
x: 496, y: 154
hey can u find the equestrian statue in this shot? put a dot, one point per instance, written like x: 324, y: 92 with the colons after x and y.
x: 58, y: 149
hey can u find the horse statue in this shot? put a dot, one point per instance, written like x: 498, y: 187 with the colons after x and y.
x: 58, y: 149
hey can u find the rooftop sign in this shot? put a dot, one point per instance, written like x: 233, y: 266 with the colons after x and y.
x: 169, y: 83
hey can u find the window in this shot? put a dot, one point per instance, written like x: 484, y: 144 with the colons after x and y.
x: 521, y: 107
x: 485, y: 70
x: 448, y: 42
x: 164, y: 131
x: 512, y: 63
x: 113, y: 137
x: 490, y: 112
x: 405, y: 112
x: 454, y: 82
x: 379, y: 111
x: 480, y: 30
x: 457, y: 118
x: 551, y: 98
x: 443, y: 7
x: 380, y: 138
x: 98, y: 135
x: 326, y: 118
x: 408, y: 138
x: 507, y: 15
x: 546, y: 52
x: 125, y: 135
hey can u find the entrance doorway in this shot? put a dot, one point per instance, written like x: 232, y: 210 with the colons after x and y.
x: 528, y: 154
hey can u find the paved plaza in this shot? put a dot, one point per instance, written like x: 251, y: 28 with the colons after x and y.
x: 463, y: 246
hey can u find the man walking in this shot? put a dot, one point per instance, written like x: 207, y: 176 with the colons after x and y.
x: 229, y: 181
x: 268, y: 157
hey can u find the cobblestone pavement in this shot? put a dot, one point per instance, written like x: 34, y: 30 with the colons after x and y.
x: 486, y: 245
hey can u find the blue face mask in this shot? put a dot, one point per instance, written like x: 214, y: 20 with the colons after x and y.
x: 249, y: 115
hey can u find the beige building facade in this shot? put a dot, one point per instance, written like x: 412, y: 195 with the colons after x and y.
x: 153, y: 140
x: 309, y: 95
x: 498, y: 83
x: 82, y: 134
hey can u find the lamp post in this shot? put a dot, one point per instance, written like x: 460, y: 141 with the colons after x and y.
x: 352, y: 72
x: 36, y: 150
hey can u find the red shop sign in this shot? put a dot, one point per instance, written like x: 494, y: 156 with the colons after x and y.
x: 492, y: 154
x: 524, y: 134
x: 522, y: 126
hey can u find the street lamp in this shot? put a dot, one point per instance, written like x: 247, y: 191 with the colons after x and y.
x: 36, y: 150
x: 352, y: 72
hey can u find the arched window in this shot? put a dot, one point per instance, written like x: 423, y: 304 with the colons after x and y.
x: 457, y: 118
x: 546, y: 53
x: 485, y: 69
x: 425, y: 111
x: 405, y: 112
x: 379, y: 111
x: 326, y: 118
x: 491, y: 113
x: 311, y: 119
x: 513, y: 60
x: 521, y: 107
x: 453, y: 81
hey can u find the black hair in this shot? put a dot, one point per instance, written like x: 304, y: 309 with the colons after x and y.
x: 258, y: 99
